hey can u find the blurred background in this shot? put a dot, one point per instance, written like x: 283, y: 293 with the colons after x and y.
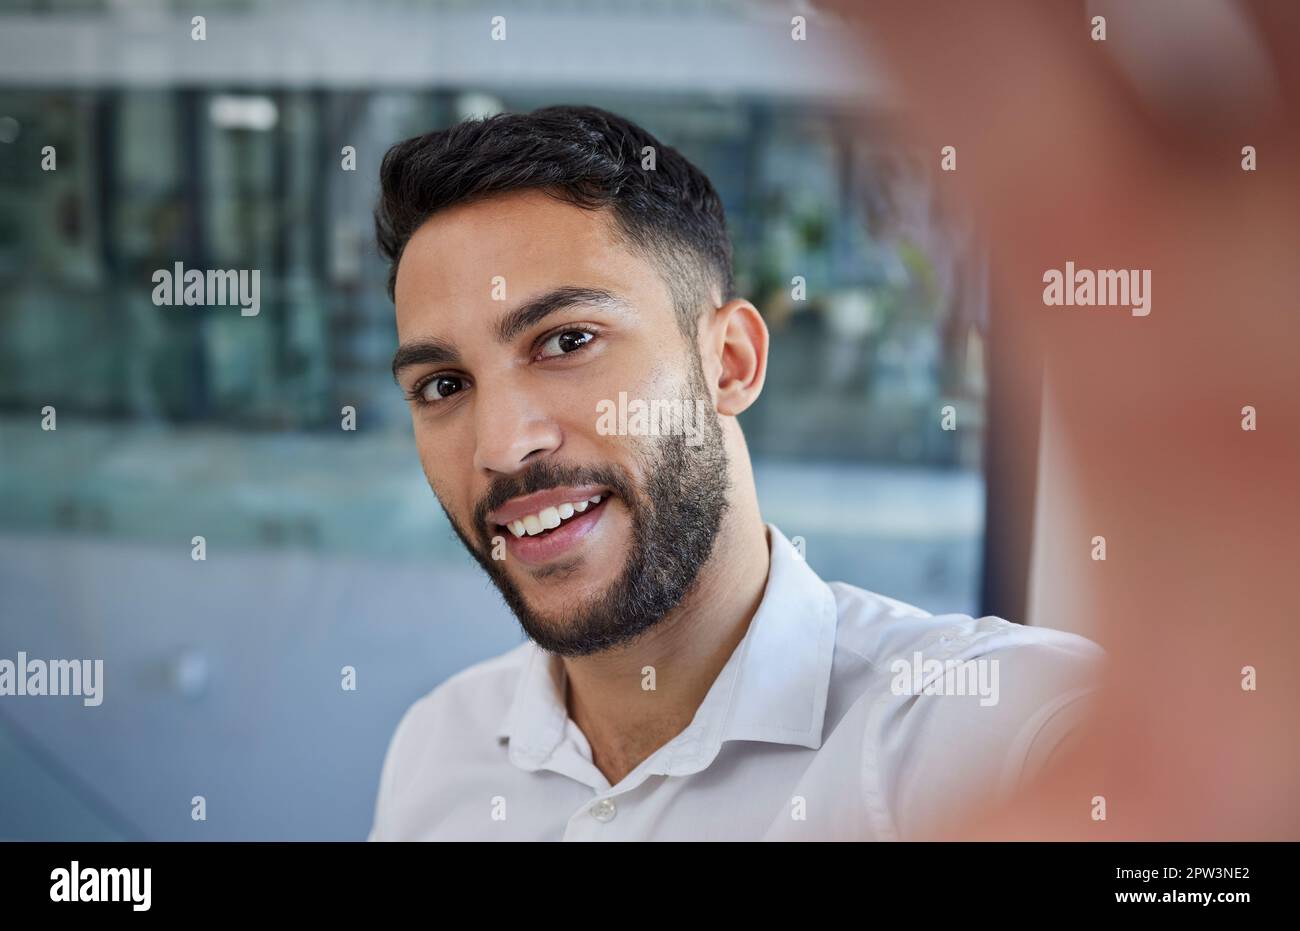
x: 325, y: 548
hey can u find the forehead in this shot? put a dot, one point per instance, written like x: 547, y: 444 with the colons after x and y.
x: 531, y: 241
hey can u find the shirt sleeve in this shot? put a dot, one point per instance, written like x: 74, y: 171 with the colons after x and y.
x: 381, y: 828
x: 377, y: 828
x: 948, y: 758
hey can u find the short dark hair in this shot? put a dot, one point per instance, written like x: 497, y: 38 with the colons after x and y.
x: 585, y: 156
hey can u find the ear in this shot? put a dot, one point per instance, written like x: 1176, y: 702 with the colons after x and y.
x: 736, y: 354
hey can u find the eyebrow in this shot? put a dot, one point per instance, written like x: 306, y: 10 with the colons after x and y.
x: 431, y: 351
x: 423, y: 352
x: 539, y: 308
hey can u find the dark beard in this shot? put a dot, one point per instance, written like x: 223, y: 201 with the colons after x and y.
x: 675, y: 520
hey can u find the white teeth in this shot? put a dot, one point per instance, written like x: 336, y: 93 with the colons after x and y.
x: 550, y: 518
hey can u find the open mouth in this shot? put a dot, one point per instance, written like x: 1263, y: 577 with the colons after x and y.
x: 559, y: 522
x: 552, y: 518
x: 564, y: 522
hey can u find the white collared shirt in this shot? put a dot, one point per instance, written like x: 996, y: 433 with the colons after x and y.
x: 841, y: 715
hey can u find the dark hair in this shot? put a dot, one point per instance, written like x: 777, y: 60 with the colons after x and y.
x: 585, y: 156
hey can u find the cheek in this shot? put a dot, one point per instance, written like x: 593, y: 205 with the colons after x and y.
x: 446, y: 461
x: 635, y: 373
x: 593, y: 431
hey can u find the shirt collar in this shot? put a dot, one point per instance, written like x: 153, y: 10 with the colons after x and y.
x: 773, y: 687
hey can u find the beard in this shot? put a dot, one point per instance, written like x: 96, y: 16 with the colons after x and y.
x: 676, y: 512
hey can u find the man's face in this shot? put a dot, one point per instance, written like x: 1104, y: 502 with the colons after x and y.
x: 520, y: 320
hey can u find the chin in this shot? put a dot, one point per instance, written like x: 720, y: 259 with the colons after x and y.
x: 562, y: 590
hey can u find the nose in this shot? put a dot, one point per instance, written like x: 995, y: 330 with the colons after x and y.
x: 512, y: 431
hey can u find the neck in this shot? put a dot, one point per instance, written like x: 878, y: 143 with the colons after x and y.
x: 610, y: 694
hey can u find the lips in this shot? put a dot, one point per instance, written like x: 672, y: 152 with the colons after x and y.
x: 517, y: 509
x: 548, y: 524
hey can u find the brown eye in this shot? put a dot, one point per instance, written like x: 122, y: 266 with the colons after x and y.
x: 441, y: 386
x: 565, y: 342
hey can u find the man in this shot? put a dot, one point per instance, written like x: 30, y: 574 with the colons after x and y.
x: 686, y: 674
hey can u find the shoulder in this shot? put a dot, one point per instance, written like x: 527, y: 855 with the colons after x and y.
x: 882, y: 631
x: 459, y: 716
x: 954, y: 710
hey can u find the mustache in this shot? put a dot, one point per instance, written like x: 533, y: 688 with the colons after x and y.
x: 543, y: 475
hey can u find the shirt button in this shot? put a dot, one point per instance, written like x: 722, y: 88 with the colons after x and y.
x: 604, y: 810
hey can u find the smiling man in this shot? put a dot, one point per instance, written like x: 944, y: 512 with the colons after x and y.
x: 686, y: 675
